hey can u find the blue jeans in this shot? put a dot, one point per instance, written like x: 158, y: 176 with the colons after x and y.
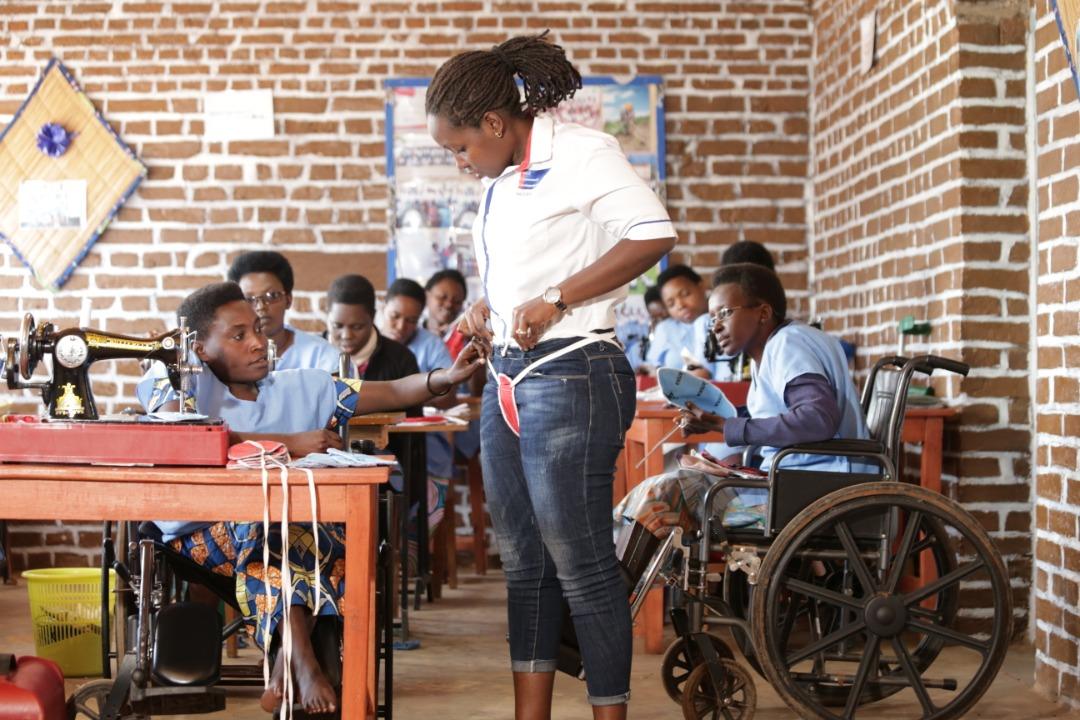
x: 549, y: 494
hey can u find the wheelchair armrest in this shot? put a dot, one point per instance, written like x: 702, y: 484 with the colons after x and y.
x: 839, y: 447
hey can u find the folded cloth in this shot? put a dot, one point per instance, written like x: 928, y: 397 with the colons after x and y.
x: 250, y: 454
x: 334, y: 458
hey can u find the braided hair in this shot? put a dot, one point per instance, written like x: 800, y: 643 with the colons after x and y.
x: 470, y: 84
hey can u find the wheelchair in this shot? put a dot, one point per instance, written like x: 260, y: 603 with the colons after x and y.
x: 167, y: 649
x: 857, y: 584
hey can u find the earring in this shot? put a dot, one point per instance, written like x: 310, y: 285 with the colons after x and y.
x: 498, y: 135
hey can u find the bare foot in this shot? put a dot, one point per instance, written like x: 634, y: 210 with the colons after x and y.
x: 317, y: 696
x: 271, y: 697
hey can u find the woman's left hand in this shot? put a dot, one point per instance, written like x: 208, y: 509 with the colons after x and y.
x: 468, y: 361
x: 532, y: 320
x: 695, y: 421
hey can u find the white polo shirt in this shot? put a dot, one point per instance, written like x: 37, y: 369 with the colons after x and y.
x: 572, y: 198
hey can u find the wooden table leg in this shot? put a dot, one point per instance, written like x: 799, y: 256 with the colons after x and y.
x: 478, y: 515
x: 930, y: 478
x: 358, y: 699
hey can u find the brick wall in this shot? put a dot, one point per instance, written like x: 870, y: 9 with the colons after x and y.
x: 1057, y: 501
x: 919, y: 208
x: 737, y: 79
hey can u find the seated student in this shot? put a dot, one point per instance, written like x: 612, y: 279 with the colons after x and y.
x: 350, y: 326
x: 673, y: 339
x: 636, y: 335
x: 444, y: 297
x: 300, y: 408
x: 266, y: 278
x: 801, y: 390
x: 405, y: 301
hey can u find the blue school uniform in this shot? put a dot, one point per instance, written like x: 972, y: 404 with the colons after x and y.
x: 309, y: 351
x: 668, y: 340
x: 797, y: 349
x: 431, y: 353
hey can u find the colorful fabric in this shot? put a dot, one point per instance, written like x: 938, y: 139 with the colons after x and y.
x: 674, y: 499
x: 235, y: 549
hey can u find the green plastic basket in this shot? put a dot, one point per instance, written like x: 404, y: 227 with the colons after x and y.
x: 65, y: 607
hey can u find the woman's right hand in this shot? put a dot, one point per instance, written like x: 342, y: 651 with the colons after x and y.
x: 474, y: 324
x: 313, y: 441
x: 695, y: 421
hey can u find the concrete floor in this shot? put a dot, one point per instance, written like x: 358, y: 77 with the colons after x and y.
x: 461, y: 670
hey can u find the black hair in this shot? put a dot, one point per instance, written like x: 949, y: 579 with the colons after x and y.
x: 748, y: 251
x: 652, y: 294
x: 407, y: 288
x: 478, y: 81
x: 676, y: 271
x: 267, y: 261
x: 450, y: 274
x: 759, y: 284
x: 199, y: 307
x: 352, y: 290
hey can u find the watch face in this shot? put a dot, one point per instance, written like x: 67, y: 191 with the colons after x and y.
x: 552, y: 295
x: 71, y: 351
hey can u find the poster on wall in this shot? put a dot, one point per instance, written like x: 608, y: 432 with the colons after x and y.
x: 433, y: 205
x: 1067, y: 13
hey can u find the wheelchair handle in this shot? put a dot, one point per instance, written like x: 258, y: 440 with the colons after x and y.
x: 927, y: 364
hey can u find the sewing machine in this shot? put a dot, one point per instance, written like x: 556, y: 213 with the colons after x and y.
x: 72, y: 432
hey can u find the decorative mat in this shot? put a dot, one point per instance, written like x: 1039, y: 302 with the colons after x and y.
x: 79, y: 171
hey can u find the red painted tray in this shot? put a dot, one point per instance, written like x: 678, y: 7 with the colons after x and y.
x: 115, y: 443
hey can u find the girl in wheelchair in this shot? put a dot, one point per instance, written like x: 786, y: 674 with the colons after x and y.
x: 801, y: 391
x: 301, y: 410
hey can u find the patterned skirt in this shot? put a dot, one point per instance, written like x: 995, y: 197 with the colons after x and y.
x: 236, y: 549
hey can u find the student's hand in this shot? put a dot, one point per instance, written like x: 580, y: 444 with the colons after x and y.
x: 314, y: 441
x: 694, y: 421
x: 469, y: 360
x: 699, y: 371
x: 474, y: 323
x: 532, y: 320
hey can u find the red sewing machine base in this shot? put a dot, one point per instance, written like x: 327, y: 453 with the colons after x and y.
x: 31, y: 689
x: 114, y: 443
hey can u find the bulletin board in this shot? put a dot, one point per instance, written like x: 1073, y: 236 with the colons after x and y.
x: 433, y: 205
x: 1067, y: 13
x: 64, y: 174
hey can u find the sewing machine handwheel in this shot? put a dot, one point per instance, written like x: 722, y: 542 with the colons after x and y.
x: 26, y: 331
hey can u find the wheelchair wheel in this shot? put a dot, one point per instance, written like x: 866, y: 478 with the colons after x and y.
x: 734, y: 699
x: 875, y: 637
x: 677, y: 666
x: 88, y: 703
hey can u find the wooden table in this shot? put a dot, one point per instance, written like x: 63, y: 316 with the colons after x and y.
x: 655, y: 418
x: 374, y: 427
x: 82, y: 492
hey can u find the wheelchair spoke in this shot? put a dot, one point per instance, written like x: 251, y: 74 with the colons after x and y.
x: 855, y: 558
x: 826, y: 642
x: 869, y: 660
x: 912, y: 529
x: 823, y: 594
x: 950, y: 634
x: 932, y: 588
x: 913, y: 676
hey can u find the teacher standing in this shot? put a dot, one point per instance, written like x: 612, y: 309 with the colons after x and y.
x: 564, y: 224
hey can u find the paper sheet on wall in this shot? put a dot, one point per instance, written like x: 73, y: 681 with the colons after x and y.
x: 52, y: 204
x: 239, y: 115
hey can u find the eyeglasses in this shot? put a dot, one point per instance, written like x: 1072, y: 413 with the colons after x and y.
x: 722, y: 314
x: 266, y: 298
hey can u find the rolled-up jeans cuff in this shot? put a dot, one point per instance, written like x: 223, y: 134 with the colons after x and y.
x: 534, y: 665
x: 610, y: 699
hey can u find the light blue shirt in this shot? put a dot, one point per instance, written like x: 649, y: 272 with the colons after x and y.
x: 309, y: 351
x: 797, y: 349
x: 431, y: 353
x: 289, y: 401
x: 668, y: 340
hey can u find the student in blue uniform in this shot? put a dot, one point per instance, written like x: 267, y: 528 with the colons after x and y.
x: 405, y: 301
x: 801, y: 390
x: 300, y: 408
x: 684, y: 296
x: 266, y: 277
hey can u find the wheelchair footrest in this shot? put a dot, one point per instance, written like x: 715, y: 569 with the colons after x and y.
x: 187, y: 645
x: 179, y: 701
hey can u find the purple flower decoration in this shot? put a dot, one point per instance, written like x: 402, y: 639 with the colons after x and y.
x: 53, y: 139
